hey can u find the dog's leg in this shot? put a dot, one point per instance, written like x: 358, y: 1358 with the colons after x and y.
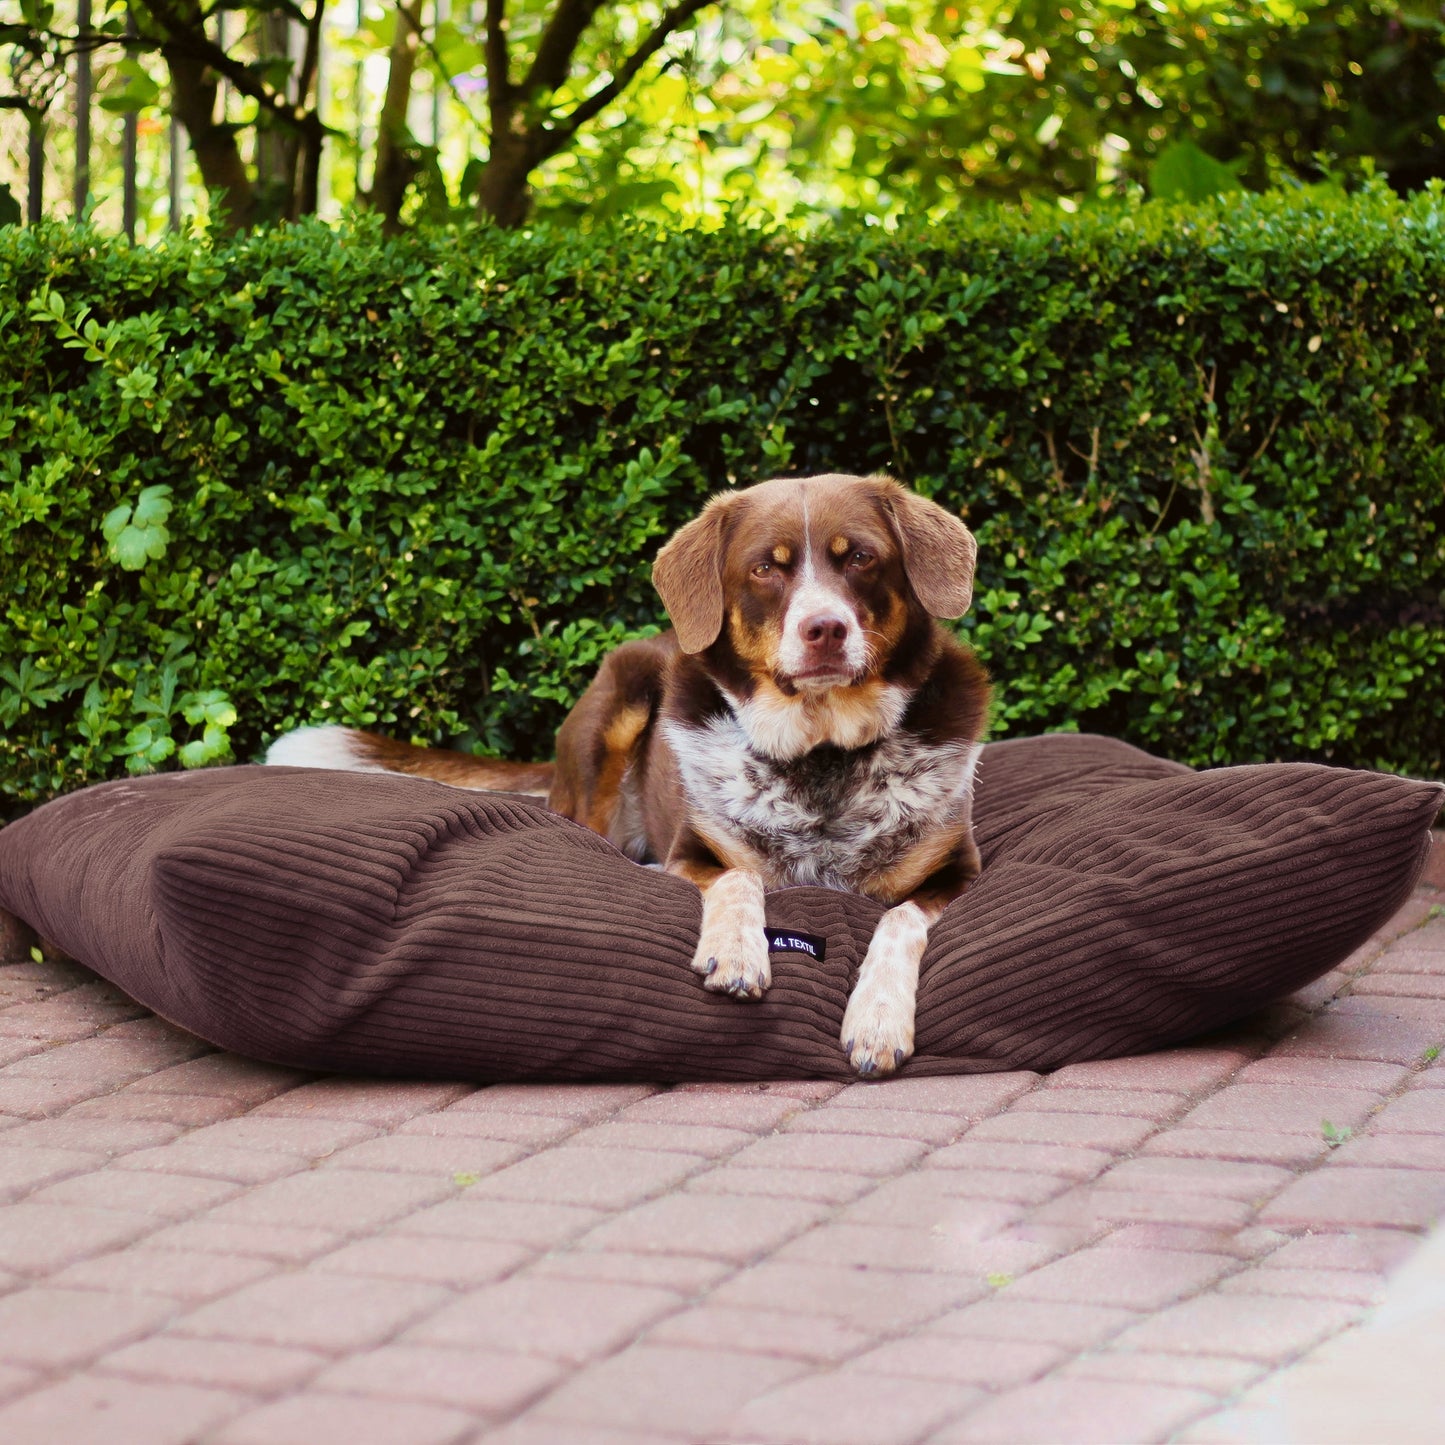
x: 878, y: 1022
x: 732, y: 949
x: 877, y: 1033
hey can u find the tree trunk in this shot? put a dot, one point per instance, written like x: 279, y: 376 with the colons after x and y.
x: 503, y: 194
x: 276, y: 146
x: 394, y: 164
x: 193, y: 103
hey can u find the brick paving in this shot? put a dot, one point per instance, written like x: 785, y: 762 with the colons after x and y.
x: 195, y: 1247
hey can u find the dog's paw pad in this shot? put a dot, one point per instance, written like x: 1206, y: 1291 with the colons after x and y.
x: 734, y: 969
x: 877, y: 1039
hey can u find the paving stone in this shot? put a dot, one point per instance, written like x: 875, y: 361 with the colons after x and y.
x: 990, y: 1364
x: 96, y: 1136
x: 879, y: 1300
x: 342, y: 1200
x: 1057, y: 1159
x: 1405, y: 983
x: 1343, y: 1033
x: 227, y: 1075
x: 960, y: 1096
x: 583, y: 1102
x: 847, y: 1153
x: 1266, y: 1329
x: 573, y: 1320
x: 180, y: 1274
x: 928, y: 1197
x: 33, y: 1098
x: 460, y: 1263
x: 1281, y: 1109
x: 886, y: 1123
x: 824, y: 1185
x: 849, y: 1409
x: 816, y: 1339
x: 241, y: 1166
x: 222, y: 1364
x: 1081, y: 1411
x: 314, y: 1418
x: 159, y: 1196
x: 312, y: 1139
x: 315, y: 1310
x: 105, y: 1410
x: 1089, y: 1207
x: 543, y: 1225
x: 479, y: 1381
x: 1083, y: 1131
x: 1241, y: 1244
x: 1177, y: 1071
x: 1004, y: 1316
x: 1288, y: 1151
x: 188, y: 1111
x: 1329, y: 1198
x: 265, y: 1241
x: 1377, y: 1251
x: 531, y: 1431
x: 1347, y: 1286
x: 686, y: 1274
x: 595, y: 1178
x: 1155, y: 1104
x: 38, y: 1238
x: 753, y: 1113
x: 1150, y: 1280
x: 383, y: 1103
x: 1421, y: 1111
x: 733, y: 1228
x: 101, y: 1064
x: 880, y: 1247
x: 532, y: 1130
x: 705, y: 1141
x: 1218, y: 1374
x: 1211, y: 1178
x: 447, y: 1157
x: 24, y: 1170
x: 668, y: 1389
x: 55, y: 1328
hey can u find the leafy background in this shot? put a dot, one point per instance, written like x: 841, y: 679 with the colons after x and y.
x: 415, y: 484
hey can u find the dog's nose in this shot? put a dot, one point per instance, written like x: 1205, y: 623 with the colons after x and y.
x: 823, y: 631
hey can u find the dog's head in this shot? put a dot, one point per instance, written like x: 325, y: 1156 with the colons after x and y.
x: 812, y: 582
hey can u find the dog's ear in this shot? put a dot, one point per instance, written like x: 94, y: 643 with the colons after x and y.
x: 688, y: 577
x: 938, y: 551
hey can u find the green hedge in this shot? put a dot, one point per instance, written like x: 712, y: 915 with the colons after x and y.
x: 416, y: 484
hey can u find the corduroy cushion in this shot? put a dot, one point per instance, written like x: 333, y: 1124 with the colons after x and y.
x: 385, y: 925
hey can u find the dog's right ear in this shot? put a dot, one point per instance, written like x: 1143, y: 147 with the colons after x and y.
x: 688, y: 577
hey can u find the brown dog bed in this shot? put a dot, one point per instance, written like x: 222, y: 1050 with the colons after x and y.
x: 380, y: 924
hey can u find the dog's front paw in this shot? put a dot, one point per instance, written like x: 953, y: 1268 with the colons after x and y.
x: 877, y: 1032
x: 733, y: 963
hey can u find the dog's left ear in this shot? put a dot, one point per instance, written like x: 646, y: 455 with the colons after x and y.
x: 938, y: 551
x: 688, y: 578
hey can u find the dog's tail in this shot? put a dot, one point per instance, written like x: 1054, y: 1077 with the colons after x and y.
x: 355, y: 751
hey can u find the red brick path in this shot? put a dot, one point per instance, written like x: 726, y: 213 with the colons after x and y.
x: 194, y: 1247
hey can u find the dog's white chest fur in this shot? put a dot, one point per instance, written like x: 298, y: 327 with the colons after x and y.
x: 833, y: 817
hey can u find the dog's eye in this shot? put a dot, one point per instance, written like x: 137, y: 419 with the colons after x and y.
x: 860, y: 558
x: 763, y: 569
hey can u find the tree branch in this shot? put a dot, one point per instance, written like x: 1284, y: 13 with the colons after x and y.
x: 499, y: 77
x: 555, y: 49
x: 565, y: 127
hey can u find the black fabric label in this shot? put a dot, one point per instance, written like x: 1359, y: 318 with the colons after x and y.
x: 789, y: 940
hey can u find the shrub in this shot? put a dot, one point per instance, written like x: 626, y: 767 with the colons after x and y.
x: 416, y: 484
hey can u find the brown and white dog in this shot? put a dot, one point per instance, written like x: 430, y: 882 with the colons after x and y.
x: 807, y: 722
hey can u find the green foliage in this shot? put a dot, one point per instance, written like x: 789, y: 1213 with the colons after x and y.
x: 313, y: 475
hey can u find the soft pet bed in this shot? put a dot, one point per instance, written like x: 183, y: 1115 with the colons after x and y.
x: 380, y: 924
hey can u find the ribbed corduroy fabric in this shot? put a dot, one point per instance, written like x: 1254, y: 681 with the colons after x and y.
x: 380, y: 924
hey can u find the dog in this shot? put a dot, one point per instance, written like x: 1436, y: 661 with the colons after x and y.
x: 806, y: 721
